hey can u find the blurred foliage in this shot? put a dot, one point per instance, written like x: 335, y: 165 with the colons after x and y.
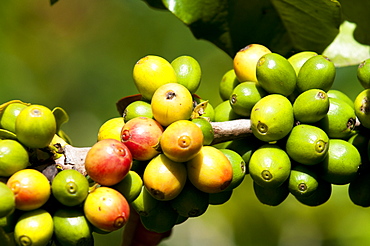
x: 286, y: 27
x: 79, y: 55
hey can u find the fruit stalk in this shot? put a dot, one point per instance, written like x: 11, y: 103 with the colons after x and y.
x: 229, y: 130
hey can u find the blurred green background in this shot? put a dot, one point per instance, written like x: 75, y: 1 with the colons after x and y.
x: 79, y: 55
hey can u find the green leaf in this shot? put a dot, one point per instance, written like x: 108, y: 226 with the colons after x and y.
x: 357, y: 11
x: 284, y: 26
x: 5, y: 134
x: 155, y: 4
x: 345, y: 50
x: 53, y: 1
x: 61, y: 116
x: 311, y: 25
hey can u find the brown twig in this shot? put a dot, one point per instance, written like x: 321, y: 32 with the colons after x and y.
x: 74, y: 157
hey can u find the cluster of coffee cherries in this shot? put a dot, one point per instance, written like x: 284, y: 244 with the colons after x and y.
x: 176, y: 172
x: 306, y: 136
x: 43, y: 202
x: 160, y: 162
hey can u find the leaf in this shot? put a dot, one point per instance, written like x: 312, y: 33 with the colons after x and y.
x: 357, y: 11
x: 61, y: 116
x: 5, y: 134
x: 284, y: 26
x: 199, y: 110
x: 311, y: 25
x: 53, y: 2
x: 125, y: 101
x: 4, y: 105
x: 155, y: 4
x: 345, y: 50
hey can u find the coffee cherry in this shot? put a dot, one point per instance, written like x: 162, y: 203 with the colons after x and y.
x: 188, y: 72
x: 246, y: 59
x: 181, y: 140
x: 227, y: 84
x: 341, y: 164
x: 171, y: 102
x: 35, y: 126
x: 11, y: 112
x: 141, y: 135
x: 71, y: 227
x: 318, y: 72
x: 34, y: 228
x: 13, y: 157
x: 362, y: 107
x: 111, y: 129
x: 164, y: 178
x: 275, y: 74
x: 297, y: 60
x: 311, y: 106
x: 130, y: 186
x: 108, y: 161
x: 244, y: 96
x: 31, y: 189
x: 272, y: 196
x: 307, y: 144
x: 7, y: 200
x: 272, y: 118
x: 106, y: 209
x: 191, y: 202
x: 70, y: 187
x: 150, y: 72
x: 269, y: 166
x: 210, y: 171
x: 363, y: 73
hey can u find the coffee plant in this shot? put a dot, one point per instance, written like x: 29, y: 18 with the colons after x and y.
x: 171, y: 154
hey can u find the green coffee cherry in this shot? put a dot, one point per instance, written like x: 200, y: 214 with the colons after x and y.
x: 13, y: 157
x: 269, y: 166
x: 35, y: 126
x: 144, y: 203
x: 188, y: 72
x: 224, y: 112
x: 341, y: 164
x: 227, y: 84
x: 275, y: 74
x: 137, y: 109
x: 191, y: 202
x: 272, y: 118
x: 207, y: 130
x: 271, y: 196
x: 130, y: 186
x: 7, y: 200
x: 302, y: 181
x: 162, y: 218
x: 363, y: 73
x: 220, y: 197
x: 362, y: 107
x: 340, y: 95
x: 358, y: 189
x: 311, y: 106
x: 340, y: 120
x: 244, y: 96
x: 70, y: 187
x: 307, y: 144
x: 320, y: 196
x: 7, y: 120
x: 297, y: 60
x: 71, y: 227
x: 239, y: 167
x: 318, y: 72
